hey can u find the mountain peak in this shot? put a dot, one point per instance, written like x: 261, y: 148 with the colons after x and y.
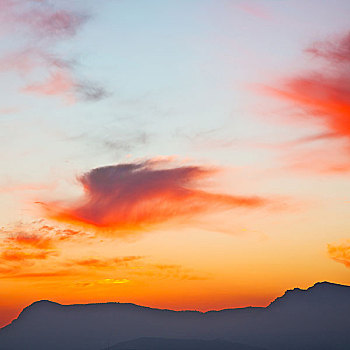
x: 43, y: 303
x: 328, y: 284
x: 318, y: 293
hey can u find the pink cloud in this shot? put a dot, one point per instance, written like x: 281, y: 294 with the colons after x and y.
x: 41, y: 26
x: 53, y: 24
x: 255, y: 10
x: 59, y: 83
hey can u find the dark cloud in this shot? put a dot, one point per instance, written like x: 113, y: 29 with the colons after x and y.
x: 135, y: 196
x: 89, y: 91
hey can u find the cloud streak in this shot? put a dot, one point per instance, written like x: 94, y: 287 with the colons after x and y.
x: 30, y: 240
x: 24, y: 244
x: 340, y: 253
x: 96, y: 263
x: 41, y: 26
x: 19, y: 255
x: 323, y: 94
x: 137, y: 196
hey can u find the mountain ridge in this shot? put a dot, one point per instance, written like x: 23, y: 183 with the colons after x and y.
x: 312, y: 318
x: 286, y: 293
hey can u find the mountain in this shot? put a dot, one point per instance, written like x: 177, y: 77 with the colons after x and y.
x: 315, y: 318
x: 180, y: 344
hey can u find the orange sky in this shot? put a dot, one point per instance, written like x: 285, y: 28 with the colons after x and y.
x: 140, y: 166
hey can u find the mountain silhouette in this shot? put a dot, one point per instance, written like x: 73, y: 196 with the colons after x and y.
x: 315, y: 318
x: 180, y: 344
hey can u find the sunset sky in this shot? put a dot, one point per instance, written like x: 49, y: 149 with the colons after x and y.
x: 183, y: 154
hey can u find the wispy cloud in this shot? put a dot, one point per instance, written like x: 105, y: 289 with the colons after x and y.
x: 39, y: 275
x: 336, y: 50
x: 97, y: 263
x: 324, y: 95
x: 30, y: 240
x: 137, y: 196
x: 340, y: 252
x: 59, y: 83
x: 20, y: 255
x: 255, y: 10
x: 41, y: 27
x: 174, y: 271
x: 22, y: 245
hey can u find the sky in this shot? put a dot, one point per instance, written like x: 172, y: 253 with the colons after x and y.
x: 172, y: 153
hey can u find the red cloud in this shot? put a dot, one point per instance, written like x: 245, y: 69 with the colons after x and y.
x: 19, y: 255
x: 138, y: 195
x: 326, y: 98
x: 324, y: 94
x: 31, y: 240
x: 340, y: 253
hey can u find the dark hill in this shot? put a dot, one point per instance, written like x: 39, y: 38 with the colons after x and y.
x: 316, y: 318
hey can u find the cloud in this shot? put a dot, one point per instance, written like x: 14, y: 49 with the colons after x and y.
x: 106, y: 263
x: 49, y: 23
x: 340, y: 252
x: 59, y: 83
x: 255, y: 10
x: 113, y: 281
x: 336, y: 50
x: 38, y: 234
x: 29, y: 59
x: 34, y: 251
x: 168, y: 271
x: 24, y: 247
x: 62, y: 83
x: 136, y: 196
x: 69, y: 234
x: 25, y: 243
x: 323, y: 94
x: 39, y: 275
x: 89, y: 91
x: 176, y: 272
x: 30, y: 240
x: 40, y: 20
x: 105, y: 281
x: 41, y: 26
x: 20, y: 255
x: 325, y: 98
x: 21, y: 247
